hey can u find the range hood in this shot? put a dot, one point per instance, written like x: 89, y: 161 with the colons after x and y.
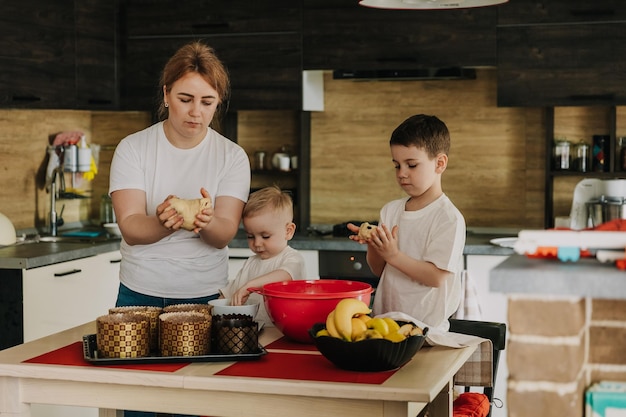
x: 429, y: 4
x: 449, y: 73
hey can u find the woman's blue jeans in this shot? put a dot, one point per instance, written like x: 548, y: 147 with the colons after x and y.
x: 128, y: 297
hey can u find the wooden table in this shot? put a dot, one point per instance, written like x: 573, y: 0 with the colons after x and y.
x: 195, y: 389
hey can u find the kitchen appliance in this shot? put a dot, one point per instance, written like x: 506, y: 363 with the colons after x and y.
x: 596, y: 201
x: 605, y: 209
x: 7, y: 231
x: 428, y: 4
x: 346, y: 265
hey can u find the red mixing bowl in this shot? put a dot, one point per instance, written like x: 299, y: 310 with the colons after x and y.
x: 295, y: 306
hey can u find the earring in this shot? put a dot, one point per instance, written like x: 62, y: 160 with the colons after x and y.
x: 167, y: 105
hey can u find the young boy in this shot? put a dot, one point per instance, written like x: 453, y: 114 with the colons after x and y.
x: 417, y: 249
x: 268, y: 222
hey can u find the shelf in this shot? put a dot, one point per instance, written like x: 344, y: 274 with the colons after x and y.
x: 591, y: 174
x: 274, y: 172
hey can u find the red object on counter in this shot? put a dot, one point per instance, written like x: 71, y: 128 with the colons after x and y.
x: 72, y: 355
x: 295, y: 306
x: 302, y: 366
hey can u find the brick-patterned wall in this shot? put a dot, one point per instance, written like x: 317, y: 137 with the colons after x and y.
x: 559, y: 346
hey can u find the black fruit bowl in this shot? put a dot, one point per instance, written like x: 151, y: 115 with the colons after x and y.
x: 370, y: 355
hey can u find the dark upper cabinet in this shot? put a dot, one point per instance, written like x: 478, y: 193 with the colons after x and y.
x: 340, y: 34
x: 205, y: 17
x: 58, y: 55
x: 563, y: 57
x: 258, y: 41
x: 37, y: 55
x: 533, y: 12
x: 96, y: 54
x: 264, y: 70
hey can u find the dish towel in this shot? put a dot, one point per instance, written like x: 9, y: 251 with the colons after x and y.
x: 469, y: 307
x: 478, y: 370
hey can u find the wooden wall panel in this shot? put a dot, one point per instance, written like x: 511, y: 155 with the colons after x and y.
x: 23, y: 141
x: 490, y: 164
x: 496, y: 173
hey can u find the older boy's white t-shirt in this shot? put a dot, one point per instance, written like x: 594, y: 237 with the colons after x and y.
x: 435, y: 234
x: 288, y: 260
x: 180, y: 265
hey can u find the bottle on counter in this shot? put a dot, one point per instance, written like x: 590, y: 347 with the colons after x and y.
x: 601, y: 153
x: 621, y: 141
x: 581, y: 158
x: 562, y: 155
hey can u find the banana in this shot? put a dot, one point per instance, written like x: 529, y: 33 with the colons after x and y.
x: 395, y: 337
x: 358, y: 328
x: 416, y: 331
x: 344, y: 311
x: 405, y: 329
x: 393, y: 325
x: 330, y: 325
x: 369, y: 334
x: 378, y: 324
x: 363, y: 317
x: 322, y: 332
x: 410, y: 329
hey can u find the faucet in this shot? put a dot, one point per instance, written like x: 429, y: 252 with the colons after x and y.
x: 57, y: 173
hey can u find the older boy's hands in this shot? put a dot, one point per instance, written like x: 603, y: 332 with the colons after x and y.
x: 385, y: 242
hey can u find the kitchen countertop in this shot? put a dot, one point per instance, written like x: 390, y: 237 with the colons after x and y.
x: 33, y: 255
x: 586, y: 278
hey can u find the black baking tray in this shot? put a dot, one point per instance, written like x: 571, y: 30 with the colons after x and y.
x: 90, y: 355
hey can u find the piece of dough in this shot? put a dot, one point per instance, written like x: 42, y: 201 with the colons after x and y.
x: 189, y: 209
x: 365, y: 230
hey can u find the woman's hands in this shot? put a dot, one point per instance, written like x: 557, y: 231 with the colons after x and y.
x: 172, y: 220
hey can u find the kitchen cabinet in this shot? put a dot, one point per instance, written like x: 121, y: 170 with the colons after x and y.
x: 259, y: 42
x: 264, y: 70
x: 37, y: 54
x: 41, y: 301
x: 591, y: 120
x: 537, y: 65
x: 96, y: 55
x: 64, y: 295
x: 163, y: 17
x: 340, y: 34
x: 58, y: 54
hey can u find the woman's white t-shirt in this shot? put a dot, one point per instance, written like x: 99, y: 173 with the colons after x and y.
x: 435, y: 234
x: 180, y: 265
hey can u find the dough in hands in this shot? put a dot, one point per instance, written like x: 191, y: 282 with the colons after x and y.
x: 189, y: 209
x: 365, y: 231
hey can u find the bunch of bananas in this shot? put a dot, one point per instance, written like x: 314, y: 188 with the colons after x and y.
x: 351, y: 322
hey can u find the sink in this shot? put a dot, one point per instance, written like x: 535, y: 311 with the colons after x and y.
x: 71, y: 239
x: 82, y: 235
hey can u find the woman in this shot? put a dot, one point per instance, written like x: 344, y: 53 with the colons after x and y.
x: 181, y: 155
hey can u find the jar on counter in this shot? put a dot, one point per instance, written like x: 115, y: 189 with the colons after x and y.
x: 107, y: 215
x: 621, y: 142
x: 601, y: 153
x: 582, y: 157
x: 562, y: 155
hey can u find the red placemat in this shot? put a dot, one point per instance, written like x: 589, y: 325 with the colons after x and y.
x: 301, y: 366
x: 72, y: 355
x: 285, y: 344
